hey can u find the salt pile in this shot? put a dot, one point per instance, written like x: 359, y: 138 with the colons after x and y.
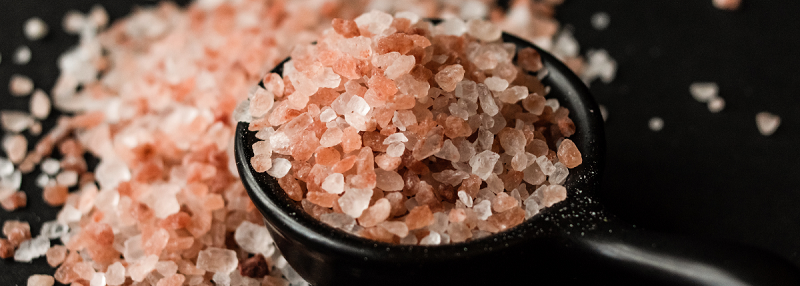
x: 438, y: 109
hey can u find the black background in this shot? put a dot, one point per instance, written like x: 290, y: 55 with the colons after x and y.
x: 706, y: 175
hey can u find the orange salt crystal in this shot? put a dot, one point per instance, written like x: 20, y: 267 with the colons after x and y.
x: 503, y: 202
x: 327, y: 156
x: 383, y: 86
x: 508, y: 219
x: 375, y: 214
x: 388, y: 163
x: 457, y: 215
x: 471, y: 185
x: 568, y: 154
x: 261, y: 163
x: 55, y: 195
x: 351, y: 140
x: 292, y: 188
x: 16, y: 231
x: 419, y: 217
x: 398, y: 42
x: 6, y: 248
x: 377, y: 233
x: 397, y: 201
x: 529, y: 59
x: 323, y: 199
x: 56, y: 255
x: 176, y: 221
x: 88, y: 120
x: 17, y: 200
x: 173, y: 280
x: 346, y: 28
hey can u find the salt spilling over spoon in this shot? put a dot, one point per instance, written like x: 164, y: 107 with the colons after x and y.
x: 574, y: 241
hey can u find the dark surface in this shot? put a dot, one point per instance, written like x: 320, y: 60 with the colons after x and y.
x: 705, y: 175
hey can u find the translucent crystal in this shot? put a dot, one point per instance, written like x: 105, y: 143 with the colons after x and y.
x: 388, y: 180
x: 483, y: 163
x: 217, y: 260
x: 53, y: 229
x: 115, y: 274
x: 280, y: 167
x: 433, y: 238
x: 465, y: 198
x: 487, y: 100
x: 355, y: 201
x: 253, y: 238
x: 41, y: 280
x: 483, y: 30
x: 339, y: 220
x: 333, y: 183
x: 483, y: 209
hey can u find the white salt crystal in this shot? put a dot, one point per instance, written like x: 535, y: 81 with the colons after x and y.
x: 704, y: 91
x: 280, y: 167
x: 41, y: 280
x: 338, y: 220
x: 401, y: 66
x: 15, y: 121
x: 98, y: 279
x: 513, y: 94
x: 67, y: 178
x: 327, y: 114
x: 465, y: 198
x: 394, y: 138
x: 433, y: 238
x: 600, y: 65
x: 483, y: 30
x: 495, y: 83
x: 388, y: 180
x: 35, y: 29
x: 467, y: 90
x: 40, y: 104
x: 410, y: 239
x: 483, y: 209
x: 545, y: 165
x: 115, y: 274
x: 6, y: 167
x: 166, y: 268
x: 600, y: 20
x: 552, y: 103
x: 459, y: 110
x: 452, y: 26
x: 133, y: 250
x: 333, y: 183
x: 357, y: 121
x: 53, y: 229
x: 12, y: 180
x: 73, y: 22
x: 331, y: 137
x: 396, y: 149
x: 355, y: 201
x: 16, y: 147
x: 374, y: 21
x: 31, y: 249
x: 487, y: 100
x: 656, y: 124
x: 559, y: 174
x: 110, y: 172
x: 483, y: 163
x: 358, y: 105
x: 69, y: 214
x: 531, y: 207
x: 22, y: 55
x: 221, y: 279
x: 449, y: 152
x: 411, y: 16
x: 252, y: 238
x: 217, y: 260
x: 242, y: 112
x: 565, y: 45
x: 98, y: 16
x: 716, y: 104
x: 50, y: 166
x: 767, y: 123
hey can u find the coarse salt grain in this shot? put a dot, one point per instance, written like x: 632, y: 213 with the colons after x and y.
x: 767, y: 123
x: 35, y: 29
x: 22, y: 55
x: 20, y: 85
x: 600, y: 20
x: 656, y: 124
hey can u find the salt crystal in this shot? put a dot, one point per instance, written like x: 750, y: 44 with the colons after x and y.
x: 395, y: 227
x: 396, y: 149
x: 767, y: 123
x: 41, y: 280
x: 399, y: 67
x: 110, y: 172
x: 331, y: 137
x: 355, y: 201
x: 450, y: 177
x: 483, y: 30
x: 727, y: 4
x: 98, y: 16
x: 656, y: 124
x: 388, y: 180
x: 6, y: 167
x: 67, y: 178
x: 22, y: 55
x: 552, y: 103
x: 221, y: 279
x: 449, y: 152
x: 452, y: 26
x: 338, y: 220
x: 465, y: 198
x: 115, y: 274
x: 600, y: 65
x: 327, y: 115
x: 53, y: 229
x: 358, y: 105
x: 333, y: 183
x: 374, y: 21
x: 495, y: 83
x: 483, y: 163
x: 166, y: 268
x: 432, y: 238
x: 16, y: 147
x: 467, y: 89
x: 716, y: 104
x: 450, y: 76
x: 487, y: 100
x: 35, y: 29
x: 31, y: 249
x: 15, y: 121
x: 531, y: 208
x: 394, y: 138
x: 73, y: 22
x: 98, y: 279
x: 704, y: 91
x: 483, y: 209
x: 40, y: 104
x: 50, y: 166
x: 253, y: 238
x: 565, y: 45
x: 559, y: 174
x: 550, y: 195
x: 217, y: 260
x: 375, y: 214
x: 280, y: 167
x: 600, y: 20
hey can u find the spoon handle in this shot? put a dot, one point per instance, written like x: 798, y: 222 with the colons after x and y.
x: 629, y: 255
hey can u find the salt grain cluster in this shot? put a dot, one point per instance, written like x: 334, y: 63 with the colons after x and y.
x: 412, y: 132
x: 153, y: 108
x: 708, y: 92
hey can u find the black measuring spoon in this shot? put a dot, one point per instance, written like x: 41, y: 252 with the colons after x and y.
x: 572, y: 242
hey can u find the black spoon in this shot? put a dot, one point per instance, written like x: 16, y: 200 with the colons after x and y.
x: 573, y: 242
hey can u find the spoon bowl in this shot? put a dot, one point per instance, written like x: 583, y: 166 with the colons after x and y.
x: 574, y: 241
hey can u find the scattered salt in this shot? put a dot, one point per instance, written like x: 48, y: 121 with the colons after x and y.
x: 767, y: 123
x: 22, y: 55
x: 20, y: 85
x: 35, y: 29
x: 656, y: 124
x: 704, y: 91
x: 600, y: 20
